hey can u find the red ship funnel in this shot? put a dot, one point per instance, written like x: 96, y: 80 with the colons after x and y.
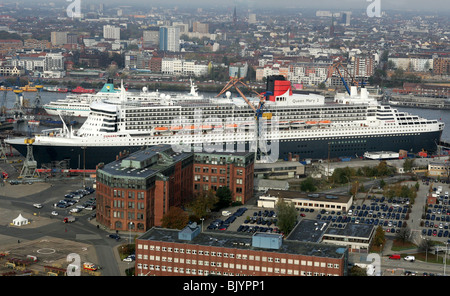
x: 278, y: 86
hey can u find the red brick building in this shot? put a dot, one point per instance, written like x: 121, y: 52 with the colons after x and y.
x: 168, y: 252
x: 233, y: 170
x: 9, y: 46
x: 133, y: 193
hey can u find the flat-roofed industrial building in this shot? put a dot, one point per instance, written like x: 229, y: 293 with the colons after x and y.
x: 317, y: 201
x: 189, y: 252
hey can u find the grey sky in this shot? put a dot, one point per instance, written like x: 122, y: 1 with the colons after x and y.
x: 319, y: 4
x: 407, y: 5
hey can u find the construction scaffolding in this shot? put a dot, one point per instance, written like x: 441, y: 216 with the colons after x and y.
x: 29, y: 165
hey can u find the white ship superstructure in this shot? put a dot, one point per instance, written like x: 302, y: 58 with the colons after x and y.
x: 310, y: 126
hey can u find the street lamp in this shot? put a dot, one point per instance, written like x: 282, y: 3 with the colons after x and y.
x: 445, y: 257
x: 202, y: 219
x: 129, y: 228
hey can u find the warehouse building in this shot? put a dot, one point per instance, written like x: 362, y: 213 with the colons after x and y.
x: 189, y: 252
x: 316, y: 201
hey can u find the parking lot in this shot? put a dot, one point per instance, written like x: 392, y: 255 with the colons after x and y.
x: 80, y: 200
x: 436, y: 217
x: 246, y: 220
x: 373, y: 209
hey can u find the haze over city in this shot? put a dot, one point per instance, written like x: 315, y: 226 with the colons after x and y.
x: 405, y: 5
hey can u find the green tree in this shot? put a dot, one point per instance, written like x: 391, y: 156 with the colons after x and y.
x: 408, y: 164
x: 224, y: 197
x: 287, y: 216
x: 378, y: 238
x: 175, y: 218
x: 358, y: 271
x: 403, y: 235
x: 342, y: 175
x: 203, y: 203
x: 308, y: 185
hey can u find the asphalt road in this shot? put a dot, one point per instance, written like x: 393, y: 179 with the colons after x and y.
x: 15, y: 199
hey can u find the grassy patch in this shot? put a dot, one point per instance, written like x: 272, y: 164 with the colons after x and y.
x: 398, y: 245
x: 431, y: 257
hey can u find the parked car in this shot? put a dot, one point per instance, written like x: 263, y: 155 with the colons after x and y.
x: 395, y: 257
x: 114, y: 236
x: 410, y: 258
x: 130, y: 258
x: 37, y: 206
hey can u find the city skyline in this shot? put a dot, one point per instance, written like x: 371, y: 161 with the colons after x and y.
x: 414, y: 5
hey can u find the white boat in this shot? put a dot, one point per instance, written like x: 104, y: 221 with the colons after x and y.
x: 357, y: 123
x: 79, y: 105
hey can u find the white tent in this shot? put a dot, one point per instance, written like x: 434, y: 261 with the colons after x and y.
x: 20, y: 220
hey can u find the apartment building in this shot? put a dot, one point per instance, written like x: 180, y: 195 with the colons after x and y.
x: 200, y: 27
x: 191, y: 252
x: 11, y: 71
x: 39, y: 62
x: 272, y: 68
x: 308, y: 73
x: 137, y: 190
x: 181, y: 67
x: 441, y: 66
x: 138, y: 60
x: 362, y: 66
x: 238, y: 70
x: 111, y: 32
x: 150, y: 38
x: 58, y: 38
x: 169, y: 38
x: 233, y: 170
x: 413, y: 63
x: 10, y: 46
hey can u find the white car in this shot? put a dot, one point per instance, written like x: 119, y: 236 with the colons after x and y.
x: 37, y: 206
x: 75, y: 210
x: 410, y: 258
x: 55, y: 213
x: 130, y: 258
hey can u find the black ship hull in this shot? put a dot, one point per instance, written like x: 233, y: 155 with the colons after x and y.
x: 307, y: 148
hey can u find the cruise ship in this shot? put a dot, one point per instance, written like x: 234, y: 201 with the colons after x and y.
x: 308, y: 125
x: 78, y: 105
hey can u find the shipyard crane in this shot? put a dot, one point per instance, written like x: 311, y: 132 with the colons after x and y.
x: 259, y: 111
x: 335, y: 67
x: 262, y: 97
x: 37, y: 101
x: 5, y: 86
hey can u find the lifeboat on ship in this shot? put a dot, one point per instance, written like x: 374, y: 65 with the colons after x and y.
x: 324, y: 122
x: 297, y: 123
x: 207, y: 127
x: 250, y: 124
x: 176, y: 128
x: 231, y: 126
x: 191, y: 127
x: 283, y: 124
x: 161, y: 129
